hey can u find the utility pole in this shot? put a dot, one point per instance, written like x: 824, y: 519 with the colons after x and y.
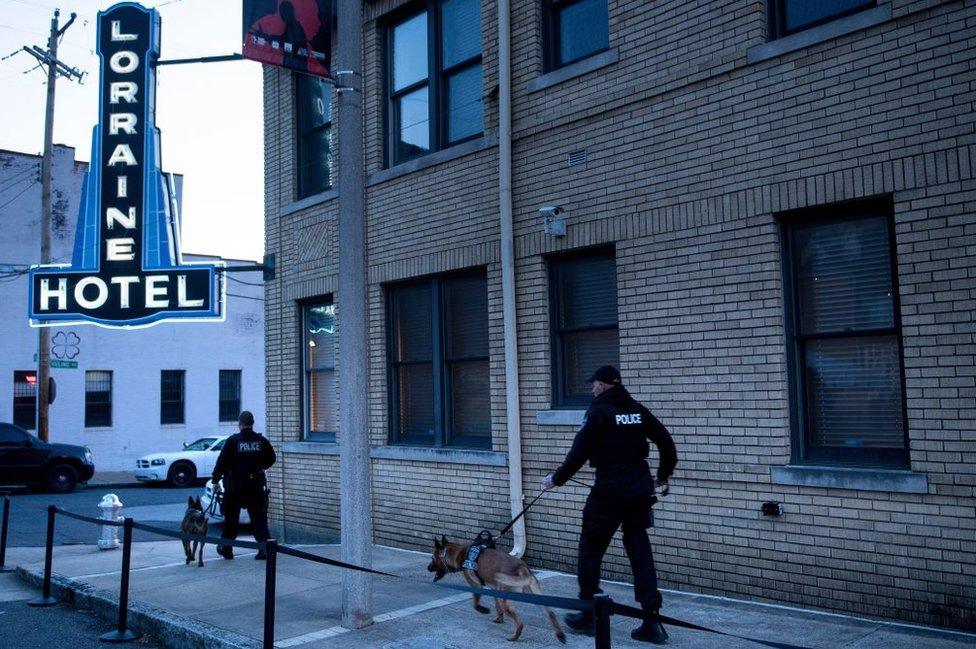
x: 54, y: 68
x: 355, y: 499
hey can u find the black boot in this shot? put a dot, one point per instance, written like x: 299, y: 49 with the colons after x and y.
x: 260, y: 556
x: 580, y: 622
x: 651, y: 630
x: 226, y: 551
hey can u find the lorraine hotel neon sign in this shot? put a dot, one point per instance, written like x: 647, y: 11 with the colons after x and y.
x: 126, y: 269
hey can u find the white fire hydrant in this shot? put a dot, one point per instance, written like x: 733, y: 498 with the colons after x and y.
x: 110, y: 506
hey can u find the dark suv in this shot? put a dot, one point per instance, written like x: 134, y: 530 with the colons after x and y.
x: 26, y: 460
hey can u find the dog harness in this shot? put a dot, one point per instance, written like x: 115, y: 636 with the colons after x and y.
x: 481, y: 543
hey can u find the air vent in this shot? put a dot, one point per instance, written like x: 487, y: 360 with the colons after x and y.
x: 577, y: 158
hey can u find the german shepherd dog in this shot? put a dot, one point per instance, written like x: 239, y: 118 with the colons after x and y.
x: 194, y: 522
x: 497, y: 570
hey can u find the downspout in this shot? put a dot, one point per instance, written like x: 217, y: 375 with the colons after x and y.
x: 512, y: 408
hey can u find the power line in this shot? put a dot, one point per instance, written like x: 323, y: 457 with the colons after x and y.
x: 240, y: 281
x: 17, y: 195
x: 246, y: 297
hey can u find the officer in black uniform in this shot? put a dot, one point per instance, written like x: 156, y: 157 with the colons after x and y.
x: 614, y: 438
x: 241, y: 465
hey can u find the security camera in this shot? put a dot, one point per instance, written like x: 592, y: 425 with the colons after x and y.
x: 550, y: 211
x: 552, y: 225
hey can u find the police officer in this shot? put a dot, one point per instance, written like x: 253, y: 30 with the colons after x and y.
x: 614, y: 438
x: 241, y: 464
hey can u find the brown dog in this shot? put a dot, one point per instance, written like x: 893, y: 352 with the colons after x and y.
x: 194, y: 522
x: 496, y: 570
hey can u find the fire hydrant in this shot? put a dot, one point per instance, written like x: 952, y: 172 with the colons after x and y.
x: 110, y: 506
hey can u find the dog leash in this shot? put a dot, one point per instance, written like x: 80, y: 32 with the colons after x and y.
x: 520, y: 515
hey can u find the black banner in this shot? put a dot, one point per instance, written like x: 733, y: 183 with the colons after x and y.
x: 295, y: 34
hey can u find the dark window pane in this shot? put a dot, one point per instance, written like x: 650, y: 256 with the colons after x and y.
x: 583, y: 352
x: 98, y: 398
x: 416, y: 402
x: 315, y: 162
x: 460, y: 31
x: 466, y: 311
x: 230, y: 395
x: 314, y: 96
x: 409, y: 52
x: 411, y: 324
x: 844, y: 276
x: 470, y: 402
x: 25, y: 399
x: 10, y: 435
x: 583, y: 30
x: 171, y: 403
x: 465, y: 108
x: 800, y: 13
x: 587, y: 293
x: 322, y: 402
x: 413, y: 123
x: 854, y: 396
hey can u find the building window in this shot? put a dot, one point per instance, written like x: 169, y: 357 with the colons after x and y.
x: 434, y: 84
x: 25, y: 399
x: 230, y: 395
x: 438, y: 350
x: 790, y: 16
x: 320, y: 395
x: 575, y: 29
x: 171, y: 396
x: 847, y: 393
x: 98, y: 398
x: 583, y: 295
x: 314, y: 117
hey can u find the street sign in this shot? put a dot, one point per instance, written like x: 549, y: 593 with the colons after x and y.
x: 64, y: 365
x: 126, y: 269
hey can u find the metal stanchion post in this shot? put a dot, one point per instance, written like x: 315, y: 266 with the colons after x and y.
x: 270, y: 549
x: 123, y: 634
x: 3, y: 535
x: 45, y: 599
x: 601, y: 618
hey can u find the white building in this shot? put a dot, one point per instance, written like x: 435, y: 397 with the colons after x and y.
x: 123, y: 393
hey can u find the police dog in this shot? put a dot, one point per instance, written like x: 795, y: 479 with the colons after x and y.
x: 496, y: 570
x: 194, y: 522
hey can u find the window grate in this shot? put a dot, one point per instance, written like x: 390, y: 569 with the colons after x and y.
x: 577, y: 158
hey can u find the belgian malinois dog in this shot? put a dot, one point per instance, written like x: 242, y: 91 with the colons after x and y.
x: 496, y: 570
x: 194, y: 522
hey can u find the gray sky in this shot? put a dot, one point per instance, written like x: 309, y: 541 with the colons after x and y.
x: 209, y: 114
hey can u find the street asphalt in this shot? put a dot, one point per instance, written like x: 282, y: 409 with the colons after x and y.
x: 159, y: 505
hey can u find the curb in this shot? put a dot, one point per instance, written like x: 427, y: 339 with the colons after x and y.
x: 171, y: 630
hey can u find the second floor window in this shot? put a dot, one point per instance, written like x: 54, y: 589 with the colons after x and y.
x: 229, y: 397
x: 314, y: 117
x: 434, y: 83
x: 789, y: 16
x: 575, y: 29
x: 171, y: 396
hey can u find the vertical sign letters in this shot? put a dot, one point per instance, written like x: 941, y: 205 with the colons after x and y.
x: 126, y: 269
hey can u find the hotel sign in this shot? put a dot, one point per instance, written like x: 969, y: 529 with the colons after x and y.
x: 126, y: 269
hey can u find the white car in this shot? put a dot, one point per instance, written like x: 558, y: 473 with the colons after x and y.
x: 180, y: 469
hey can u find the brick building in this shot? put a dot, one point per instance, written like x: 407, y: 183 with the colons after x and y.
x: 769, y: 225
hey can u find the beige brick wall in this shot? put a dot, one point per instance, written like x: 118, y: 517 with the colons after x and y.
x: 692, y: 151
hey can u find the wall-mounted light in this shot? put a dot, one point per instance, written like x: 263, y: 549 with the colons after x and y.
x: 552, y: 224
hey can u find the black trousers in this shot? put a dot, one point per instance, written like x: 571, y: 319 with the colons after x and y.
x: 256, y: 504
x: 602, y: 516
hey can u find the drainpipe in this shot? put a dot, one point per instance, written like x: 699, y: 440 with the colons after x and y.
x: 512, y: 408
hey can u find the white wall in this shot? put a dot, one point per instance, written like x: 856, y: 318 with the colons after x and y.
x: 135, y: 357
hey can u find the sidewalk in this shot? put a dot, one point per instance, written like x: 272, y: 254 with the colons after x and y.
x: 228, y: 595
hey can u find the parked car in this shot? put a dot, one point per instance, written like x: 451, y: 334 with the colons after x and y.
x: 180, y: 469
x: 27, y: 461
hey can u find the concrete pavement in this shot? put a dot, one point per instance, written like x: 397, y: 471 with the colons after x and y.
x: 228, y: 596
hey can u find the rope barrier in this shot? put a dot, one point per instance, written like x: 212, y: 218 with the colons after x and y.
x: 607, y: 608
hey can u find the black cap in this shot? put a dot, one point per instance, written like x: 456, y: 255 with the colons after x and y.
x: 607, y: 374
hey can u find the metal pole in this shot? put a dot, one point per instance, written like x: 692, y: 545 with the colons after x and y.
x: 271, y: 550
x: 355, y: 508
x: 44, y: 335
x: 123, y: 634
x: 3, y: 535
x: 45, y: 599
x: 601, y: 618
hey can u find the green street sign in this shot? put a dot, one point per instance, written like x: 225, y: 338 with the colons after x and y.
x: 64, y: 365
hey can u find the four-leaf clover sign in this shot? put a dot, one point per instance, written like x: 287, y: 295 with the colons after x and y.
x: 65, y: 346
